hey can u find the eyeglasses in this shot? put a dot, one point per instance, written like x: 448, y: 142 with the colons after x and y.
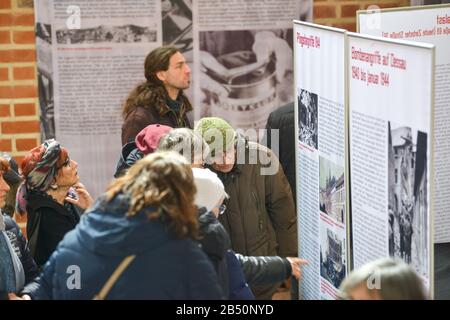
x: 222, y: 208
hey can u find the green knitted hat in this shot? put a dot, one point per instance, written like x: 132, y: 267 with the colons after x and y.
x: 216, y: 131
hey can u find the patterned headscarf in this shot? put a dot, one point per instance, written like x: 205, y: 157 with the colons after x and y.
x: 41, y: 176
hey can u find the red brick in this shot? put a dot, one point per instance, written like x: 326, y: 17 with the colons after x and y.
x: 20, y: 127
x: 5, y: 4
x: 26, y: 144
x: 23, y: 37
x: 9, y: 92
x: 4, y: 74
x: 5, y: 37
x: 8, y: 56
x: 25, y: 3
x: 350, y: 26
x: 5, y: 145
x: 384, y: 5
x: 4, y: 110
x: 24, y: 109
x: 324, y: 11
x: 24, y: 73
x: 5, y: 19
x: 25, y: 92
x: 19, y: 159
x: 6, y: 92
x: 349, y: 10
x: 23, y: 19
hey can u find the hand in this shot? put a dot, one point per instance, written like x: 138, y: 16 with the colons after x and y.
x: 296, y: 264
x: 84, y: 200
x: 13, y: 296
x: 266, y: 43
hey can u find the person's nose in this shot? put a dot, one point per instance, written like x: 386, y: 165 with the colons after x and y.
x: 3, y: 185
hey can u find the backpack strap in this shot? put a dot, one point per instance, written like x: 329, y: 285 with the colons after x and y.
x: 114, y: 277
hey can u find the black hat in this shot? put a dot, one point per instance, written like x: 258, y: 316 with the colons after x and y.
x: 12, y: 175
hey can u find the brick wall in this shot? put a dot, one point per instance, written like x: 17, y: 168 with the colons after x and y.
x: 341, y: 13
x: 19, y: 121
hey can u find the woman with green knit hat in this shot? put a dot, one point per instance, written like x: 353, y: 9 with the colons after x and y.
x: 260, y: 216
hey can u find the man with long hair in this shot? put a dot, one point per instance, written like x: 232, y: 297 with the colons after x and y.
x: 159, y: 99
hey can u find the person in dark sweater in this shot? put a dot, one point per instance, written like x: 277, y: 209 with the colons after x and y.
x: 282, y: 119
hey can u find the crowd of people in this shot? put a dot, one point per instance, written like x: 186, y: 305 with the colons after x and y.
x: 191, y: 213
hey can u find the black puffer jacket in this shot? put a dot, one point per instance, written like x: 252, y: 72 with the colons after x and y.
x: 257, y: 270
x: 261, y: 271
x: 130, y: 155
x: 215, y: 243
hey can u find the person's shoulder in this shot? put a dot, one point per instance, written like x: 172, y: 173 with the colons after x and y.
x: 139, y: 112
x: 283, y: 110
x: 10, y: 224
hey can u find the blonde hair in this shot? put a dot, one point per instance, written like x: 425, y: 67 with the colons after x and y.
x: 394, y: 280
x: 162, y: 180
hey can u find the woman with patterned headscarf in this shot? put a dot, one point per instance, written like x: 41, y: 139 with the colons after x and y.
x: 52, y: 197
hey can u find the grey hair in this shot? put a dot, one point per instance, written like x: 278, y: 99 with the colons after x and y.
x: 186, y: 142
x: 391, y: 279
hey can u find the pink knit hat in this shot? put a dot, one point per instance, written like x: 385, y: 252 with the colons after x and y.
x: 148, y: 139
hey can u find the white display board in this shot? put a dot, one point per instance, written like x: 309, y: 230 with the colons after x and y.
x: 429, y: 24
x: 391, y: 151
x: 320, y: 113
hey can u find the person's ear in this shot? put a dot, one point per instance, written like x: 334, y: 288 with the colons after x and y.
x: 161, y: 75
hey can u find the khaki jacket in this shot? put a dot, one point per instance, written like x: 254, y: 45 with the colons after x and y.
x: 260, y: 216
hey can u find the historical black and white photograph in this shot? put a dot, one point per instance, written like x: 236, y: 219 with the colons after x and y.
x: 332, y: 255
x: 331, y: 189
x: 408, y: 199
x: 177, y: 24
x: 128, y: 33
x: 245, y: 74
x: 307, y: 117
x: 45, y: 70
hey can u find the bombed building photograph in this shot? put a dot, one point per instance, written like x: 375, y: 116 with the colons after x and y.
x: 408, y: 202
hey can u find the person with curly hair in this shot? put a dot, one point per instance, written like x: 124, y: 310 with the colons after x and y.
x: 138, y: 241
